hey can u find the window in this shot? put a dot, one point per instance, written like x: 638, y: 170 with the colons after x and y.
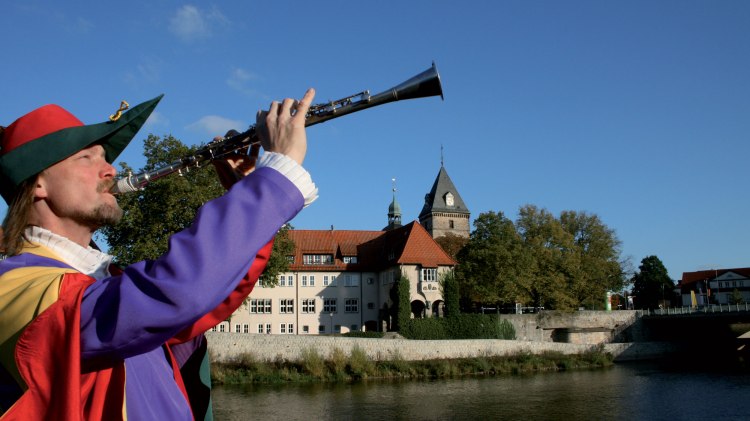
x: 268, y: 328
x: 370, y: 306
x: 213, y: 329
x: 450, y: 223
x: 325, y: 280
x: 352, y: 305
x: 429, y: 275
x: 245, y: 328
x: 290, y: 259
x: 260, y: 306
x: 350, y: 259
x: 237, y: 328
x: 221, y: 327
x: 329, y: 305
x: 260, y: 328
x: 329, y: 281
x: 351, y: 280
x: 321, y: 329
x: 285, y: 328
x: 304, y: 280
x: 286, y: 281
x: 305, y: 329
x: 286, y: 306
x: 317, y: 259
x: 312, y: 280
x: 308, y: 305
x: 355, y: 328
x: 337, y: 328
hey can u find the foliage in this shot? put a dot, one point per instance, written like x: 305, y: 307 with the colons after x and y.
x: 540, y: 260
x: 340, y: 367
x: 451, y: 295
x: 651, y: 284
x: 452, y: 243
x: 736, y: 297
x: 401, y: 298
x: 461, y: 326
x: 492, y: 264
x: 169, y: 205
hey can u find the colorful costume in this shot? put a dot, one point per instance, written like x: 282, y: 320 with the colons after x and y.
x: 108, y: 349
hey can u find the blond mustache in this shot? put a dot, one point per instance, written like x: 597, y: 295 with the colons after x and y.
x: 105, y: 185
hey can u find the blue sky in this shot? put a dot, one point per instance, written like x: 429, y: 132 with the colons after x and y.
x: 634, y: 111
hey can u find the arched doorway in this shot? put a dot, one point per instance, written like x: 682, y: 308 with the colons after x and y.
x: 417, y: 309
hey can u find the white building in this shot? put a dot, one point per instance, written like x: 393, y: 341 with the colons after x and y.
x: 342, y: 280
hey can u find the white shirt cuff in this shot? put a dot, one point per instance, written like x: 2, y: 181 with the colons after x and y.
x: 291, y: 170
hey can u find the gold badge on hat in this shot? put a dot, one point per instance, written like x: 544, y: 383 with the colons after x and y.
x: 123, y: 106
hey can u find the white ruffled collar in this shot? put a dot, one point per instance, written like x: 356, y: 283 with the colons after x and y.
x: 87, y: 260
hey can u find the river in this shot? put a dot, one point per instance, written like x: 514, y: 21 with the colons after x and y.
x: 633, y: 391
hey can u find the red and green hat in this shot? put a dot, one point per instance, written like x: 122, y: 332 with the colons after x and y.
x: 50, y: 134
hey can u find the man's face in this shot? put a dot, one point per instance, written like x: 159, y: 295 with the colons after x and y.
x: 77, y: 189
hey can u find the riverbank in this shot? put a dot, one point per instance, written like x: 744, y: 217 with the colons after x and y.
x: 231, y: 347
x: 339, y: 366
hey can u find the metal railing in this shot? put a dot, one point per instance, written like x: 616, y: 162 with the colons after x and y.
x: 714, y: 308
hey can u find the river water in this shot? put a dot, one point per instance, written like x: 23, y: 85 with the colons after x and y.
x: 633, y: 391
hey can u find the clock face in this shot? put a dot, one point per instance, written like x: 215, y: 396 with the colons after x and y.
x: 449, y: 199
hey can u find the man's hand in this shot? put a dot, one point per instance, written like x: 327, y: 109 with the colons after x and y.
x: 232, y: 167
x: 282, y: 128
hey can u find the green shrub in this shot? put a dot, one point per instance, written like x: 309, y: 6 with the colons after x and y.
x: 360, y: 366
x: 461, y: 326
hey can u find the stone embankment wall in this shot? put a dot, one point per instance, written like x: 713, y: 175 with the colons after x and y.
x: 619, y: 332
x: 226, y: 347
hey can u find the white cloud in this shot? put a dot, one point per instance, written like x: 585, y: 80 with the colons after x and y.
x: 214, y: 125
x: 156, y: 119
x: 190, y: 23
x: 242, y: 81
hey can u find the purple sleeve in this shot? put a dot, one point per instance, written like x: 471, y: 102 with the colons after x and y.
x: 153, y: 300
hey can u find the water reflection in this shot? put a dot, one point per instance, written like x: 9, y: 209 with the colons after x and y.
x: 624, y: 392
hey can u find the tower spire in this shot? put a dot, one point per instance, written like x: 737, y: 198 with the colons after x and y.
x: 441, y: 156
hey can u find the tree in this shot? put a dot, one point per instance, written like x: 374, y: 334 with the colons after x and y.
x: 540, y: 260
x: 169, y: 205
x: 401, y: 298
x: 491, y: 268
x: 452, y: 243
x: 599, y: 252
x: 555, y: 264
x: 651, y: 285
x: 736, y: 297
x: 451, y: 295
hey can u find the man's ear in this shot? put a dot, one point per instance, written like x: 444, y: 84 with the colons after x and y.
x: 40, y: 190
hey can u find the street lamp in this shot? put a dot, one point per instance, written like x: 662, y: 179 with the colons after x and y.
x: 331, y: 323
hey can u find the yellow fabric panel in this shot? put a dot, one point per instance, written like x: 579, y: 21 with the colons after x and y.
x: 24, y: 294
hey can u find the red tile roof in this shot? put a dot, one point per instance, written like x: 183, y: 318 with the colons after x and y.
x: 375, y: 250
x: 692, y: 277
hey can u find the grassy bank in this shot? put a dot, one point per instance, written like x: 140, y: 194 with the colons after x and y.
x: 340, y: 367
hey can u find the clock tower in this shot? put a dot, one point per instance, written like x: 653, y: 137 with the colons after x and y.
x: 444, y: 211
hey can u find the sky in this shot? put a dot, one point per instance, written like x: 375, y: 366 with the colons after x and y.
x: 635, y: 111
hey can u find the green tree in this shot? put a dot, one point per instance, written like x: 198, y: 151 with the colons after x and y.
x: 451, y: 295
x: 401, y: 298
x: 491, y: 268
x: 598, y: 251
x: 555, y: 263
x: 169, y: 205
x: 452, y: 243
x: 736, y: 297
x: 651, y: 284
